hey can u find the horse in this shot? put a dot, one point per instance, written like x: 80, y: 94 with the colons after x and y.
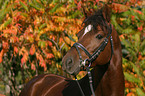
x: 98, y: 50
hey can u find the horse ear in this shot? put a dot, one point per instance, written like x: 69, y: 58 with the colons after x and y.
x: 106, y: 12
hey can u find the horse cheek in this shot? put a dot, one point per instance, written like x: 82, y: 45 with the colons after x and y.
x: 104, y: 56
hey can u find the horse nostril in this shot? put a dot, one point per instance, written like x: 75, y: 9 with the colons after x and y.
x: 69, y: 63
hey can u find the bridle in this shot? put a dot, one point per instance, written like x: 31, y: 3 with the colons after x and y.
x: 92, y: 57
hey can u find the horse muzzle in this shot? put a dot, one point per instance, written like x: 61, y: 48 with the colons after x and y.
x: 70, y: 66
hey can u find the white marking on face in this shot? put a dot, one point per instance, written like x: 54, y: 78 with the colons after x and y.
x: 87, y: 29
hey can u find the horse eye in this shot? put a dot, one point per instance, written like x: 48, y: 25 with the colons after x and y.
x: 99, y: 36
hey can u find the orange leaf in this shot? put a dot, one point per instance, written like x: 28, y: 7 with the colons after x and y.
x: 130, y: 94
x: 24, y: 59
x: 2, y: 95
x: 49, y: 43
x: 5, y: 45
x: 79, y: 5
x: 133, y: 1
x: 32, y: 49
x: 14, y: 39
x: 97, y: 0
x: 119, y: 7
x: 76, y: 2
x: 10, y: 31
x: 144, y: 73
x: 132, y: 18
x: 1, y: 55
x: 1, y: 59
x: 49, y: 55
x: 15, y: 49
x: 140, y: 28
x: 60, y: 39
x: 33, y: 66
x: 43, y: 64
x: 37, y: 55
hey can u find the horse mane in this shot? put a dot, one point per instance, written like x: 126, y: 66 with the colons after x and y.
x: 96, y: 19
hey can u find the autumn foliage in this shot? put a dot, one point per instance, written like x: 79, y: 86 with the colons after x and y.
x: 35, y: 34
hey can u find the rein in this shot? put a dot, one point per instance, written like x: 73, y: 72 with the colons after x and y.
x: 92, y: 58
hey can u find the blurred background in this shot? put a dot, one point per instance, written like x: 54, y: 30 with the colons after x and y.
x: 35, y: 35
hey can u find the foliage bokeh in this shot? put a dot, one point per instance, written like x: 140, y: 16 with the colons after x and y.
x: 35, y: 34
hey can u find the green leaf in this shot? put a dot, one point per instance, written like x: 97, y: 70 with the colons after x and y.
x: 143, y: 52
x: 34, y: 6
x: 2, y: 15
x: 5, y: 9
x: 126, y: 43
x: 42, y: 44
x: 128, y: 21
x: 7, y: 22
x: 24, y: 6
x: 142, y: 46
x: 134, y: 14
x: 128, y: 31
x: 55, y: 8
x: 131, y: 78
x: 24, y: 14
x: 136, y: 69
x: 5, y: 4
x: 42, y: 26
x: 142, y: 64
x: 137, y: 40
x: 55, y: 1
x: 116, y: 25
x: 126, y: 14
x: 140, y: 92
x: 124, y: 51
x: 37, y: 4
x: 143, y: 10
x: 132, y: 54
x: 75, y: 14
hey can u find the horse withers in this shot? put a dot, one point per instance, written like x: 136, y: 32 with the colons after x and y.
x: 98, y: 48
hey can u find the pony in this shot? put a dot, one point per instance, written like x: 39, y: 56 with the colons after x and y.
x: 99, y: 48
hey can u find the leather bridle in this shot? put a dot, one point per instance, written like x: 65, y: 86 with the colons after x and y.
x: 92, y: 57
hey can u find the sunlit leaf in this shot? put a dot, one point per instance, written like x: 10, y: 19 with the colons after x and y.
x: 137, y: 40
x: 24, y: 6
x: 42, y: 26
x: 32, y: 49
x: 33, y: 66
x: 136, y: 69
x: 140, y: 92
x: 132, y: 78
x: 15, y: 49
x: 7, y: 22
x: 128, y: 31
x: 55, y: 7
x: 24, y: 58
x: 1, y: 55
x: 42, y: 44
x: 49, y: 55
x: 34, y: 6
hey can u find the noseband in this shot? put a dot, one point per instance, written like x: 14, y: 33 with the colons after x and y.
x: 92, y: 57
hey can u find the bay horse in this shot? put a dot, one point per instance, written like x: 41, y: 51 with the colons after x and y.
x: 98, y: 48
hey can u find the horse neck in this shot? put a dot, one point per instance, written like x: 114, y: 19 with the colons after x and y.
x: 97, y: 74
x: 99, y: 70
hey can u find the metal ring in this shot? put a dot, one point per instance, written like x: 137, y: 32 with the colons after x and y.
x: 83, y: 62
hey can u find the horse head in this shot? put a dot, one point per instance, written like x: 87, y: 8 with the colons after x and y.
x: 94, y: 45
